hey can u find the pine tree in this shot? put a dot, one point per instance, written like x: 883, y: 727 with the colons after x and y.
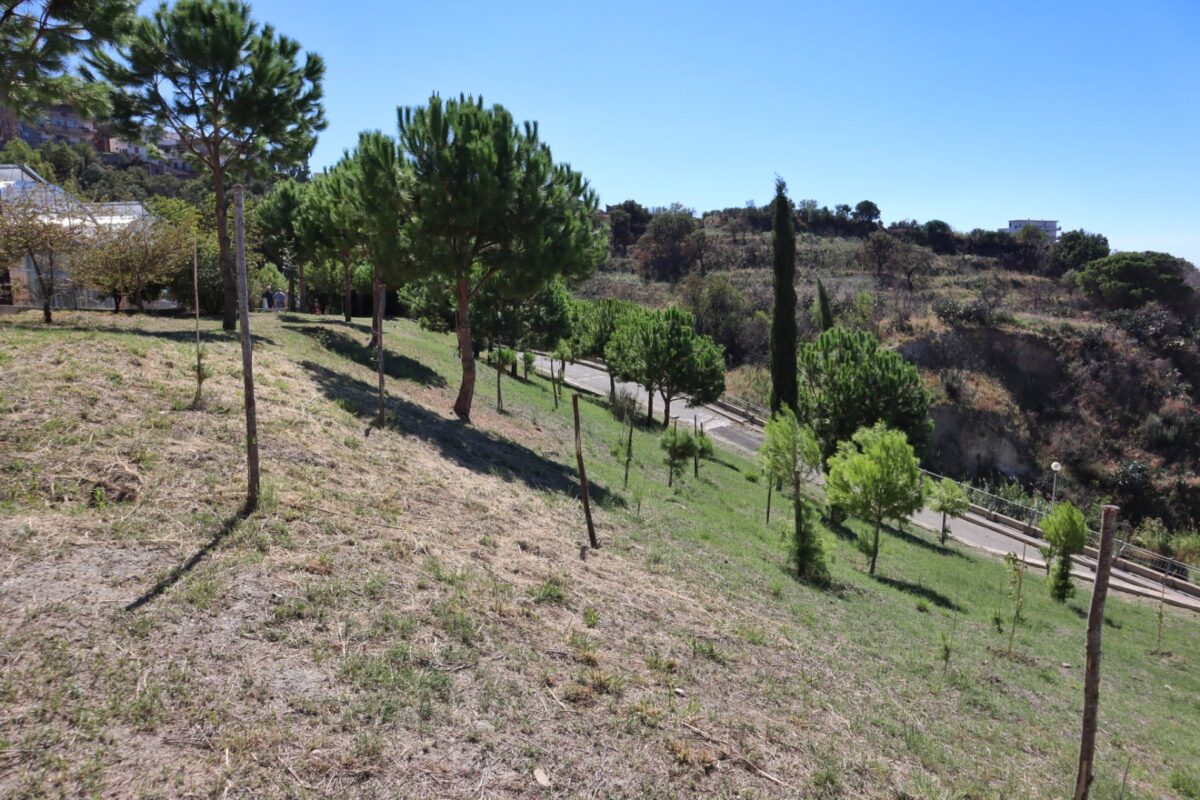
x: 489, y: 203
x: 783, y: 323
x: 239, y: 96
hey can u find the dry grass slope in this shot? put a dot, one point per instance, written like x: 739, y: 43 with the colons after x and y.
x: 408, y: 615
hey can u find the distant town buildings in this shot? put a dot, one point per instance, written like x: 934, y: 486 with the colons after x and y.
x: 62, y: 123
x: 1046, y: 226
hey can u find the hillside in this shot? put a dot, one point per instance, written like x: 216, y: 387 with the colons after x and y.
x: 1024, y: 368
x: 408, y: 614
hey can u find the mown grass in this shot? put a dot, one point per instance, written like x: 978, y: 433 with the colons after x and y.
x: 865, y: 653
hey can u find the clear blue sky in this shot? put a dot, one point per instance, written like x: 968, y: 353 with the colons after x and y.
x: 970, y: 112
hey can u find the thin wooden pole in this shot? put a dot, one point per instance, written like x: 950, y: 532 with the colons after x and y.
x: 196, y: 302
x: 1091, y: 673
x: 583, y: 484
x: 629, y: 450
x: 380, y: 295
x: 696, y: 453
x: 252, y: 473
x: 770, y: 486
x: 553, y: 385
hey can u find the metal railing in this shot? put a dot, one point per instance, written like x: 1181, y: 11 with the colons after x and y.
x: 1032, y: 517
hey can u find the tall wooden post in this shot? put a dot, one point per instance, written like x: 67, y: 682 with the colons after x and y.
x: 696, y: 453
x: 199, y: 398
x: 252, y: 474
x: 1091, y: 673
x: 553, y: 385
x: 629, y: 450
x: 380, y: 296
x: 583, y: 484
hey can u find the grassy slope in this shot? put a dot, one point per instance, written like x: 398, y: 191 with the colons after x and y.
x: 408, y: 615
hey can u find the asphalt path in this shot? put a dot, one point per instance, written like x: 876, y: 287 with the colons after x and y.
x: 976, y: 532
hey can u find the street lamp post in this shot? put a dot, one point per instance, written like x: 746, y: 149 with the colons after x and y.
x: 1054, y: 467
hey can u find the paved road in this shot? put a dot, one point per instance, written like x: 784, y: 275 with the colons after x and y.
x: 971, y: 530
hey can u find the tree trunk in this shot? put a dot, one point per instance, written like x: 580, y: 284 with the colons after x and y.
x: 612, y: 389
x: 346, y: 286
x: 380, y: 291
x: 1091, y: 673
x: 650, y: 405
x: 229, y: 313
x: 666, y: 410
x: 291, y: 301
x: 466, y: 390
x: 377, y: 308
x: 875, y: 547
x: 243, y: 295
x: 303, y: 289
x: 499, y: 380
x: 943, y: 538
x: 770, y: 486
x: 9, y: 127
x: 116, y: 303
x: 629, y: 451
x: 46, y: 318
x: 139, y: 297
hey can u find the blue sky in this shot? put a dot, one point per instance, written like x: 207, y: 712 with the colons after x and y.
x: 970, y: 112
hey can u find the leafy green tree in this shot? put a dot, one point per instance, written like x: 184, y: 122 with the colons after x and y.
x: 46, y: 226
x: 680, y: 448
x: 875, y: 477
x: 278, y: 216
x: 790, y: 452
x: 489, y: 202
x: 847, y: 381
x: 1076, y: 248
x: 665, y: 252
x: 238, y: 95
x: 1130, y: 280
x: 595, y: 322
x: 661, y: 351
x: 950, y: 500
x: 783, y: 319
x: 39, y: 39
x: 722, y: 313
x: 327, y: 224
x: 380, y: 207
x: 823, y: 309
x: 1066, y: 534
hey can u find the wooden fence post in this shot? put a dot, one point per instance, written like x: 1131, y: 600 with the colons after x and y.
x: 199, y: 398
x: 1091, y: 673
x: 252, y: 473
x: 629, y: 449
x: 583, y: 484
x: 380, y: 297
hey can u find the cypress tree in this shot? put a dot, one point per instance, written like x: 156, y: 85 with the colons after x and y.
x: 783, y: 324
x: 824, y: 310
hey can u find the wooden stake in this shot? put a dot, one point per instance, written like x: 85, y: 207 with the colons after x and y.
x: 583, y: 484
x: 696, y: 454
x: 770, y: 486
x: 198, y: 399
x: 380, y: 295
x: 629, y: 451
x: 1091, y: 674
x: 553, y: 385
x: 252, y: 473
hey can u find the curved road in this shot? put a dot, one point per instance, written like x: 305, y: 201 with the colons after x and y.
x: 971, y: 530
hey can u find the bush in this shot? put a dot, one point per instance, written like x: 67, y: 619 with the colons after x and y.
x: 806, y: 554
x: 680, y: 448
x: 625, y: 404
x: 954, y: 313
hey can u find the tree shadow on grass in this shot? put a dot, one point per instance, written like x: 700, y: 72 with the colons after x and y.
x: 924, y: 544
x: 468, y: 446
x: 187, y: 336
x: 394, y: 365
x: 924, y: 592
x: 187, y: 566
